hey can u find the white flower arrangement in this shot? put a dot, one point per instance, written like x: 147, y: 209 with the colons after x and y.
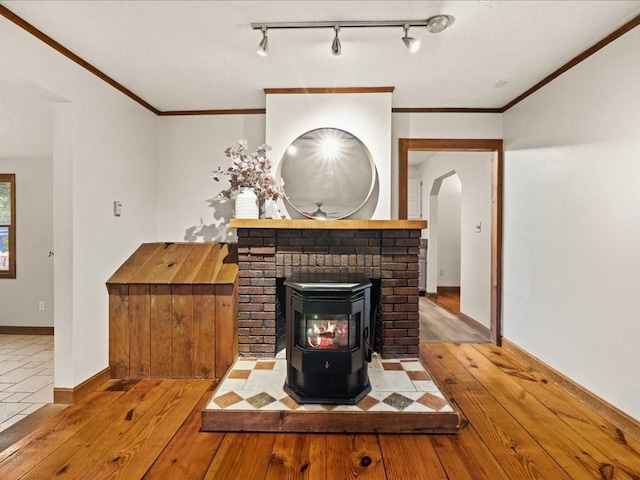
x: 248, y: 170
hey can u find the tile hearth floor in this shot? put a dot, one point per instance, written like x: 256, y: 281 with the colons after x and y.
x: 397, y: 386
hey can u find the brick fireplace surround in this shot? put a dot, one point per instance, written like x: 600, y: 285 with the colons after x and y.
x: 384, y: 250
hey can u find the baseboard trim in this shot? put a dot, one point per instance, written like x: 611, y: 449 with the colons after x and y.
x: 17, y: 330
x: 476, y: 325
x: 620, y: 419
x: 73, y: 395
x: 449, y: 290
x: 431, y: 295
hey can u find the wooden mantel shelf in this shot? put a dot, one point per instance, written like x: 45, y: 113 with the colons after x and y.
x: 292, y: 224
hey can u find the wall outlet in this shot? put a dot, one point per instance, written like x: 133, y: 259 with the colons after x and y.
x: 41, y: 306
x: 442, y: 273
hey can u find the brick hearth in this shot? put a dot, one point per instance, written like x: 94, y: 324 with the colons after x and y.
x: 378, y: 250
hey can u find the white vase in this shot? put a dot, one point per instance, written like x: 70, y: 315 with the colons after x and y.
x: 247, y: 204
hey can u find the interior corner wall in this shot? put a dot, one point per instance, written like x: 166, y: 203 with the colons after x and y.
x: 105, y: 149
x: 571, y: 229
x: 366, y: 116
x: 190, y: 149
x: 19, y: 297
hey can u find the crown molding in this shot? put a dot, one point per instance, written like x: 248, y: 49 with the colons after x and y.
x: 9, y: 15
x: 330, y: 90
x: 575, y: 61
x: 235, y: 111
x: 445, y: 110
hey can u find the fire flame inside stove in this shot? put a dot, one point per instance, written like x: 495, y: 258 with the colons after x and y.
x: 327, y: 334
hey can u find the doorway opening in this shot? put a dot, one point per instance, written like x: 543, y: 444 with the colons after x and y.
x: 493, y: 229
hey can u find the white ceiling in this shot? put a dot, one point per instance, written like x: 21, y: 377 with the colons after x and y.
x: 188, y: 55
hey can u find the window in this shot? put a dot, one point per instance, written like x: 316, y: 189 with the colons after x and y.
x: 7, y: 225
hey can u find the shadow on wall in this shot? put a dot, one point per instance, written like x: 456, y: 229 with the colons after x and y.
x: 218, y: 231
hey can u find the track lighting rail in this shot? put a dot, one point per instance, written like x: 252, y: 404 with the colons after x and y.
x: 351, y: 23
x: 434, y: 24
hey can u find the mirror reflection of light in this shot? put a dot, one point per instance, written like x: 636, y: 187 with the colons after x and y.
x: 330, y: 147
x: 292, y: 150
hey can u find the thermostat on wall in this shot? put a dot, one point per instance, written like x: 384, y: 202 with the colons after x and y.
x: 117, y: 208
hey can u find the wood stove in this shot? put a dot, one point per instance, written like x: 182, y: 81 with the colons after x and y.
x: 328, y: 337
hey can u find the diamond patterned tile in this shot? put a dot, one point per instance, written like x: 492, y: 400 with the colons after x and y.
x: 392, y: 366
x: 367, y: 402
x: 227, y: 399
x: 390, y: 381
x: 265, y: 365
x: 416, y: 375
x: 290, y: 403
x: 328, y: 408
x: 398, y: 401
x: 432, y: 401
x: 265, y: 380
x: 239, y: 374
x: 261, y: 399
x: 425, y: 386
x: 402, y: 386
x: 411, y: 365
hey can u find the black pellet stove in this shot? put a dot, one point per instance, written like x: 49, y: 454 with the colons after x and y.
x: 328, y: 337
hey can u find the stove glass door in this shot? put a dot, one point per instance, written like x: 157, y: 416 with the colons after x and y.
x: 327, y: 331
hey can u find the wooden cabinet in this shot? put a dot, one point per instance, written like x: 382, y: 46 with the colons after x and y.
x: 173, y: 312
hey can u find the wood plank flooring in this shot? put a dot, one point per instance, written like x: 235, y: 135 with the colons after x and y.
x: 516, y: 425
x: 438, y: 325
x: 449, y: 300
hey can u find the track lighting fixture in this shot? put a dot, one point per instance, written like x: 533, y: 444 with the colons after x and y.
x: 263, y: 46
x: 438, y: 23
x: 434, y: 24
x: 336, y: 47
x: 411, y: 43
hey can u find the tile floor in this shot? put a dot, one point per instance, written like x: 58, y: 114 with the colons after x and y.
x: 396, y: 386
x: 26, y: 376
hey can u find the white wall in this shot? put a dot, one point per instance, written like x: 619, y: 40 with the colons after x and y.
x: 105, y: 149
x: 190, y: 149
x: 572, y: 203
x: 19, y: 297
x: 474, y: 170
x: 449, y: 218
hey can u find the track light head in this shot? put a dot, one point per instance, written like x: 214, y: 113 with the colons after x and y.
x: 412, y: 44
x: 336, y: 47
x: 438, y: 23
x: 263, y: 46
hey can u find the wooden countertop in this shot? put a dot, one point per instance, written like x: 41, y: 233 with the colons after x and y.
x: 293, y: 224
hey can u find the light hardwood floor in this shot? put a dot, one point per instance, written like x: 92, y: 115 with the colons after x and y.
x: 439, y: 325
x: 516, y: 425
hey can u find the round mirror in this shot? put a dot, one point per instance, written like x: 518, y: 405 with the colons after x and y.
x: 327, y: 174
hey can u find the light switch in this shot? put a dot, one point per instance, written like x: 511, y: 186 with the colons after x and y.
x: 479, y: 227
x: 117, y: 208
